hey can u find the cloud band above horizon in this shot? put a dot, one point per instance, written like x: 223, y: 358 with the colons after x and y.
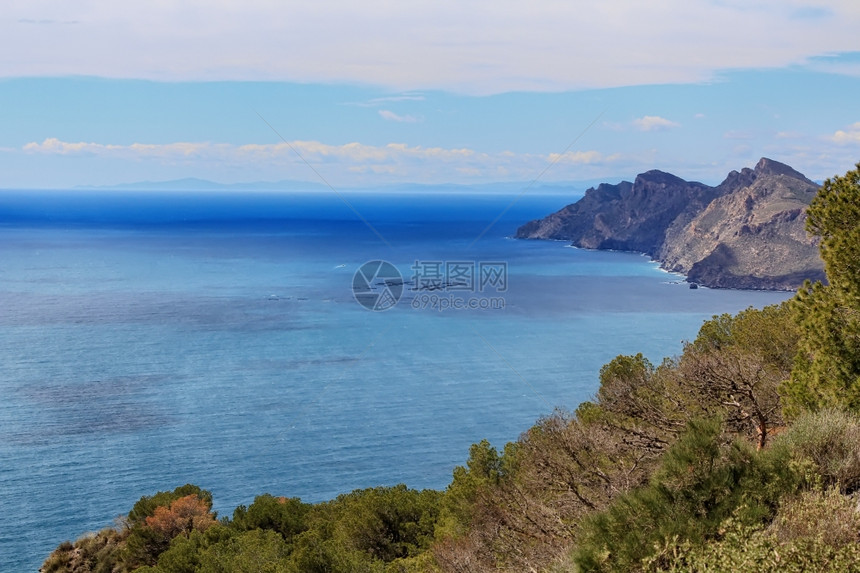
x: 400, y: 161
x: 479, y: 47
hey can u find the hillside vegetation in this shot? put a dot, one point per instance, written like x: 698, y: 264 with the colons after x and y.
x: 741, y: 454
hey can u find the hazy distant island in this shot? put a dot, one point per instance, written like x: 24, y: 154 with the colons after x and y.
x: 747, y: 232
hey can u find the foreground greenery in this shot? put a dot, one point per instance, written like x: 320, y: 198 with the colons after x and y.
x: 743, y: 453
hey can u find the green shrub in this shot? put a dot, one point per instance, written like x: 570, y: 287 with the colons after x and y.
x: 92, y: 553
x: 827, y: 444
x: 817, y: 531
x: 827, y: 517
x: 184, y: 553
x: 286, y: 516
x: 701, y: 482
x: 255, y: 551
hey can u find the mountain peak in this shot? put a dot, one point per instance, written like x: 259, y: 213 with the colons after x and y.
x: 767, y: 166
x: 747, y: 233
x: 659, y: 177
x: 737, y: 179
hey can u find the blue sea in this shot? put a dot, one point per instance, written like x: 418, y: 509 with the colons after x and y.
x: 153, y: 339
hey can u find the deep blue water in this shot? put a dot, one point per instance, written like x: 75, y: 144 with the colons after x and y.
x: 148, y: 340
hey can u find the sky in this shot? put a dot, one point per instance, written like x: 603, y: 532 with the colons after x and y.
x: 373, y: 93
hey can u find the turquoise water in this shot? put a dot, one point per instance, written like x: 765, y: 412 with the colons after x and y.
x: 150, y: 340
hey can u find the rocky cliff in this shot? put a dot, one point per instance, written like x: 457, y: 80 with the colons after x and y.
x: 628, y: 216
x: 747, y: 232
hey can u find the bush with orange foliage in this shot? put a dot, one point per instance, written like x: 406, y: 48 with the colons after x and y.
x: 184, y: 515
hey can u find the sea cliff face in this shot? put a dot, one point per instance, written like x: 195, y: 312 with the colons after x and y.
x: 748, y: 232
x: 628, y: 216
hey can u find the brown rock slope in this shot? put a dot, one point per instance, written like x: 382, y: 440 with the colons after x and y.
x: 752, y: 236
x: 748, y: 232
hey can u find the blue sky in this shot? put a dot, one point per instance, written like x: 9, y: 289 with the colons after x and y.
x: 374, y: 93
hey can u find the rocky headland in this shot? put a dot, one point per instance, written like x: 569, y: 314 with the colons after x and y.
x: 747, y: 232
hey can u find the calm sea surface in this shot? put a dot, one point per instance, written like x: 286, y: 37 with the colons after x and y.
x: 149, y: 340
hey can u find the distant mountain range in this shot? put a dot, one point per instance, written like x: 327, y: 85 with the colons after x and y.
x: 747, y: 232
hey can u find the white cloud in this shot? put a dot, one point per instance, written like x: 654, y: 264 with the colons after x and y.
x: 817, y: 157
x: 581, y: 157
x: 395, y: 160
x: 848, y: 135
x: 53, y: 145
x: 397, y: 98
x: 391, y: 116
x: 310, y: 150
x: 482, y: 46
x: 377, y: 101
x: 654, y: 123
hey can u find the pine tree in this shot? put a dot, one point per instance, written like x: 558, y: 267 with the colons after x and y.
x: 827, y: 367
